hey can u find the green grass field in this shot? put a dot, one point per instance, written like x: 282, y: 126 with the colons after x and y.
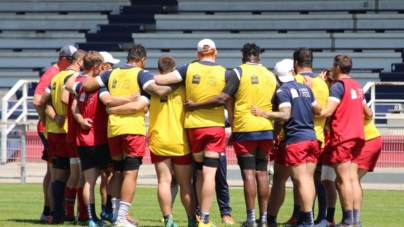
x: 21, y: 205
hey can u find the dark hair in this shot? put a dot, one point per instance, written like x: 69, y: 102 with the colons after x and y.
x: 344, y: 62
x: 303, y: 56
x: 251, y: 49
x: 77, y: 54
x: 166, y: 64
x: 329, y: 77
x: 91, y: 59
x: 136, y: 53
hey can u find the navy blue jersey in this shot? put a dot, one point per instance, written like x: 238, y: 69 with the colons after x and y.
x: 300, y: 98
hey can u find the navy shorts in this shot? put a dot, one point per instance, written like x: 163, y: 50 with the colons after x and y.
x: 94, y: 156
x: 45, y: 155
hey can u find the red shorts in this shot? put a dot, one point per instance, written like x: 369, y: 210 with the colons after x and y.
x: 370, y: 153
x: 242, y: 147
x: 279, y: 155
x: 71, y: 147
x: 347, y: 151
x: 326, y: 157
x: 133, y: 145
x: 301, y: 152
x: 178, y: 160
x: 320, y: 155
x: 207, y: 139
x: 57, y: 146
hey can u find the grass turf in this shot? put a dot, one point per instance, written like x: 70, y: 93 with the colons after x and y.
x: 21, y: 205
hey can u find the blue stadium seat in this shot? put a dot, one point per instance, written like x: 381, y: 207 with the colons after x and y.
x: 117, y: 37
x: 397, y: 67
x: 121, y: 28
x: 394, y: 76
x: 100, y: 46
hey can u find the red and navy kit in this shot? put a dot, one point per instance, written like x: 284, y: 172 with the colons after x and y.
x: 300, y: 98
x: 347, y: 121
x: 71, y: 121
x: 91, y: 107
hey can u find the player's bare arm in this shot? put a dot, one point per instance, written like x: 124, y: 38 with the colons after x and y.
x: 328, y: 110
x: 64, y: 96
x: 161, y: 91
x: 46, y: 97
x: 70, y: 83
x: 128, y: 108
x: 282, y: 115
x: 85, y: 123
x: 367, y: 112
x: 316, y: 109
x: 51, y: 113
x: 91, y: 84
x: 109, y: 100
x: 218, y: 100
x: 169, y: 78
x: 230, y: 111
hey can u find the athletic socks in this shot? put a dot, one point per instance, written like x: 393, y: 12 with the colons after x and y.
x: 271, y: 219
x: 108, y: 206
x: 205, y: 218
x: 83, y: 214
x: 168, y: 217
x: 103, y: 207
x: 123, y: 210
x: 356, y: 217
x: 322, y: 202
x: 174, y: 192
x: 115, y: 207
x: 296, y: 211
x: 58, y: 192
x: 250, y: 216
x: 70, y: 199
x: 46, y: 210
x: 263, y: 217
x: 348, y: 217
x: 307, y: 218
x: 91, y: 212
x: 330, y: 214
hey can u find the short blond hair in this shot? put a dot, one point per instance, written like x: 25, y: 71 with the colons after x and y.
x: 91, y: 59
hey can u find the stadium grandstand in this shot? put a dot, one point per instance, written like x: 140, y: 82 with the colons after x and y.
x: 369, y: 31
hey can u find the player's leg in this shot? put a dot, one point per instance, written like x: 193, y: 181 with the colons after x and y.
x: 81, y: 209
x: 163, y: 170
x: 52, y: 149
x: 116, y: 153
x: 103, y: 188
x: 296, y: 206
x: 72, y: 183
x: 222, y: 191
x: 261, y: 166
x: 328, y: 178
x: 174, y: 188
x: 133, y: 149
x: 321, y: 195
x: 106, y: 213
x: 183, y: 172
x: 46, y: 181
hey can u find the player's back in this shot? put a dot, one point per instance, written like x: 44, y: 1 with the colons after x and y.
x: 203, y: 82
x: 257, y: 87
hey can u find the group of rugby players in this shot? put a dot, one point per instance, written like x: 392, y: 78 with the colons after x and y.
x: 94, y: 121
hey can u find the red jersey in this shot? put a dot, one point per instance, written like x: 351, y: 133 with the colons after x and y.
x: 91, y: 107
x: 44, y: 82
x: 347, y: 120
x: 71, y: 121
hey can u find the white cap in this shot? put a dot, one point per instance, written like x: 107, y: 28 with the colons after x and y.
x: 205, y: 45
x: 108, y: 58
x: 283, y: 70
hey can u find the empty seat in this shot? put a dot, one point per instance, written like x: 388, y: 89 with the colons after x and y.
x: 31, y: 40
x: 9, y: 78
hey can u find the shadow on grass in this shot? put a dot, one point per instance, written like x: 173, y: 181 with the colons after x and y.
x: 30, y: 221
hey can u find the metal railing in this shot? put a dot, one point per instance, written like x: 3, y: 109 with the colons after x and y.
x: 6, y: 124
x: 372, y: 102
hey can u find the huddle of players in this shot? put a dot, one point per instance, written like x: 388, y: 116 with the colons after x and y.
x: 188, y: 118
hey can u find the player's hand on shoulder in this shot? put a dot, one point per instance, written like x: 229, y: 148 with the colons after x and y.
x: 308, y: 81
x: 189, y: 104
x: 322, y: 75
x: 86, y: 124
x: 255, y: 110
x: 135, y: 96
x: 60, y: 120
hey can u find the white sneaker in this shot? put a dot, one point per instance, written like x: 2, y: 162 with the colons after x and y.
x: 44, y: 218
x: 123, y: 223
x: 323, y: 223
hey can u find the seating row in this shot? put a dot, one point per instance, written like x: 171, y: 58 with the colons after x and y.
x: 31, y: 40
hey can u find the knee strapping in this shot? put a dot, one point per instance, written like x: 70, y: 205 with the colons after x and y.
x: 132, y: 163
x: 63, y: 163
x: 211, y: 162
x: 246, y: 162
x: 199, y: 165
x: 328, y: 173
x: 118, y: 166
x: 261, y: 164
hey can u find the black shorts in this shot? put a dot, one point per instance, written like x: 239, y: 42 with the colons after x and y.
x: 45, y: 155
x: 94, y: 156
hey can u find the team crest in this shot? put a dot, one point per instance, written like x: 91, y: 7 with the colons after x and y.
x: 163, y: 99
x: 114, y: 83
x: 196, y: 79
x: 54, y: 86
x: 254, y: 79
